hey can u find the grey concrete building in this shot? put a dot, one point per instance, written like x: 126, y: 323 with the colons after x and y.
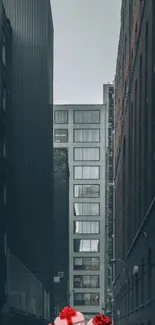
x: 29, y: 196
x: 82, y: 129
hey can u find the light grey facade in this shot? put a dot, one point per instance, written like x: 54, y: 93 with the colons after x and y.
x: 82, y: 129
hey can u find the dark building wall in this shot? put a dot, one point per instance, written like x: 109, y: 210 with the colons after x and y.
x: 30, y: 196
x: 5, y: 116
x: 134, y: 174
x: 61, y: 226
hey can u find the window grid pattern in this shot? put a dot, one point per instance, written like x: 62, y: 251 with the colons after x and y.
x: 86, y: 117
x: 60, y: 117
x: 86, y: 154
x: 86, y: 245
x: 86, y: 209
x: 86, y: 281
x: 86, y: 191
x: 86, y: 263
x: 86, y: 135
x: 86, y: 172
x: 86, y: 227
x: 61, y: 135
x: 86, y: 299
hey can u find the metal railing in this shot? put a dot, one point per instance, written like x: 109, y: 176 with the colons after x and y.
x: 26, y: 294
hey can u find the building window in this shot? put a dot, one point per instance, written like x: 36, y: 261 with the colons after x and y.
x: 5, y: 195
x: 132, y: 294
x: 4, y: 149
x: 137, y: 290
x: 86, y: 281
x: 86, y: 117
x: 4, y: 50
x: 86, y: 154
x: 142, y: 282
x: 86, y: 209
x: 86, y: 245
x: 86, y: 263
x: 86, y: 135
x: 4, y: 98
x: 128, y: 293
x: 60, y: 117
x: 149, y: 275
x: 60, y: 135
x: 86, y: 172
x: 86, y: 299
x: 86, y: 227
x: 87, y: 191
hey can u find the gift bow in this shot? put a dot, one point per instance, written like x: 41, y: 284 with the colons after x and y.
x: 101, y: 320
x: 67, y: 313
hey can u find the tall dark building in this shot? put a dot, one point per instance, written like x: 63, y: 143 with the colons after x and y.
x: 29, y: 196
x: 5, y: 118
x: 134, y: 288
x: 61, y: 229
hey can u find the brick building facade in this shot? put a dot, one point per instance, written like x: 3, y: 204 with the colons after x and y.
x: 134, y: 288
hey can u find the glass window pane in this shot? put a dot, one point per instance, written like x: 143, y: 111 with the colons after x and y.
x: 86, y: 299
x: 86, y: 281
x: 61, y: 117
x: 86, y: 263
x: 86, y: 172
x: 94, y: 281
x: 86, y: 227
x: 87, y: 117
x: 86, y: 135
x: 95, y: 263
x: 77, y: 172
x: 86, y: 209
x: 60, y: 135
x: 86, y: 154
x: 86, y: 245
x: 94, y: 172
x: 86, y: 191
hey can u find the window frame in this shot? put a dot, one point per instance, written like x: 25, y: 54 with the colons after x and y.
x: 88, y: 239
x: 82, y: 295
x: 90, y: 166
x: 61, y: 130
x: 86, y: 233
x: 74, y: 149
x: 82, y: 277
x: 60, y: 110
x: 85, y: 269
x: 86, y: 197
x: 87, y: 215
x: 86, y: 110
x: 85, y: 129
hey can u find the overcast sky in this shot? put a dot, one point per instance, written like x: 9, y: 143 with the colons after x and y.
x: 85, y: 48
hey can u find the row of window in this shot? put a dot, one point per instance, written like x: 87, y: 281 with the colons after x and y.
x: 86, y: 263
x: 86, y: 281
x: 86, y: 299
x: 86, y: 209
x: 86, y: 191
x: 79, y: 135
x: 86, y: 245
x: 86, y: 227
x: 79, y: 117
